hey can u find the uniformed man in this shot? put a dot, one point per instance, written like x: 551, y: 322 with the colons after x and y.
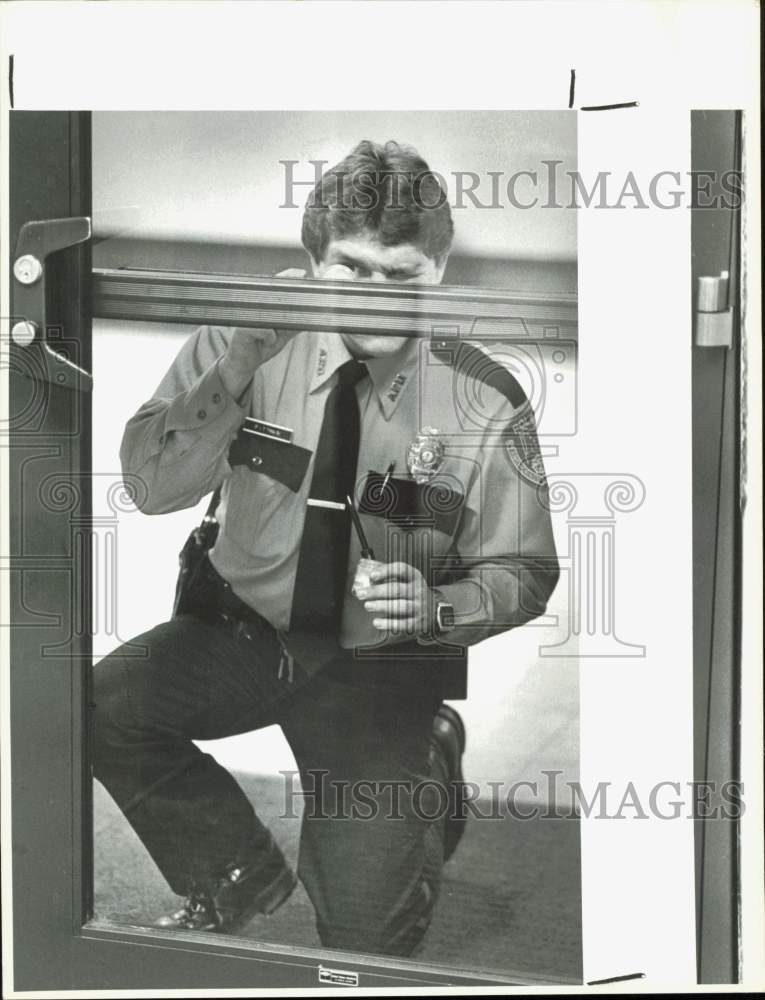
x: 435, y: 444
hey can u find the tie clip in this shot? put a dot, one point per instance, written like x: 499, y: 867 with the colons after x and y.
x: 329, y: 504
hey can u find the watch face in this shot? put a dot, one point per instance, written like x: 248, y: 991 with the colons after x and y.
x: 445, y: 616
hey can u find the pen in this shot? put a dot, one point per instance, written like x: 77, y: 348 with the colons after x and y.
x: 388, y: 472
x: 366, y: 552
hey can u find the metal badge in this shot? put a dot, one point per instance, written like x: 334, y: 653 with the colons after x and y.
x: 425, y: 455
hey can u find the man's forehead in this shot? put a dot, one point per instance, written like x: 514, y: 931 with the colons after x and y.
x: 367, y: 248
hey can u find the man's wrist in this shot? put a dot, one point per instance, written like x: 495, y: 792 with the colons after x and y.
x: 442, y: 613
x: 234, y: 377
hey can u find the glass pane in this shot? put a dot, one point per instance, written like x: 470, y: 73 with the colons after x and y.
x: 203, y: 717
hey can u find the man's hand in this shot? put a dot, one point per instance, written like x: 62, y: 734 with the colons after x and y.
x: 250, y: 348
x: 399, y: 600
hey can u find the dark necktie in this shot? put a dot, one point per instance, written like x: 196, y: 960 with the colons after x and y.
x: 317, y: 602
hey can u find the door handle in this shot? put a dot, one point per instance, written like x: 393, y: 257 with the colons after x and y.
x: 36, y: 242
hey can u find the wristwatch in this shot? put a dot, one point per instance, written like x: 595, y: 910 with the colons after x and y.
x: 444, y: 614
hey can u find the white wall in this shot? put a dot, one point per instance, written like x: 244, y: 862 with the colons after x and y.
x: 192, y: 175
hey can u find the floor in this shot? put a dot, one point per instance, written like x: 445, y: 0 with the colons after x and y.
x: 510, y: 898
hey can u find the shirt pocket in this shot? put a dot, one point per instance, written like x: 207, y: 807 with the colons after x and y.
x: 436, y: 505
x: 281, y: 461
x: 263, y: 496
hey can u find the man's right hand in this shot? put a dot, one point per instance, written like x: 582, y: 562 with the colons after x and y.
x: 250, y: 348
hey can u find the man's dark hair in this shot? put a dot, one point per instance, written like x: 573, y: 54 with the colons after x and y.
x: 385, y: 191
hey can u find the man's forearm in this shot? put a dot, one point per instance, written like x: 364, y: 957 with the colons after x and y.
x: 235, y: 378
x: 499, y: 595
x: 176, y: 448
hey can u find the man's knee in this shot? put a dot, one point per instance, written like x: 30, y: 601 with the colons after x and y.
x: 381, y: 930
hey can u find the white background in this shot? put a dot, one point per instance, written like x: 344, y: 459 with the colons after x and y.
x: 634, y: 321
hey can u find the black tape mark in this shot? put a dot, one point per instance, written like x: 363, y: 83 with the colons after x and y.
x: 610, y: 107
x: 615, y: 979
x: 10, y: 80
x: 595, y: 107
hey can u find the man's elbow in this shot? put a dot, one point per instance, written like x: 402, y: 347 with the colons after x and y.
x: 139, y: 491
x: 142, y: 479
x: 550, y: 578
x: 541, y: 581
x: 148, y: 496
x: 142, y: 487
x: 152, y: 504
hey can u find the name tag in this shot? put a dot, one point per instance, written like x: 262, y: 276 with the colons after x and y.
x: 262, y: 428
x: 271, y: 456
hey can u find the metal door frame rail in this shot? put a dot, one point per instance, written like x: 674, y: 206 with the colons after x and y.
x: 339, y: 306
x: 304, y: 962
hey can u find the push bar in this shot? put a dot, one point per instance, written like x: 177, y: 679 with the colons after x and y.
x: 344, y: 307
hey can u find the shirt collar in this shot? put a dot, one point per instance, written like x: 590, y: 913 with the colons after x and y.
x: 390, y: 376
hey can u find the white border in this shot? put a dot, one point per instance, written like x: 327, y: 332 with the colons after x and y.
x: 671, y: 57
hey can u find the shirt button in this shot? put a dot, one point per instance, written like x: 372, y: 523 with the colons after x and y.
x: 201, y: 414
x: 216, y: 397
x: 256, y: 460
x: 161, y: 438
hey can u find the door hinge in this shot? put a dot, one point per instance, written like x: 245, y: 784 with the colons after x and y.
x: 714, y: 318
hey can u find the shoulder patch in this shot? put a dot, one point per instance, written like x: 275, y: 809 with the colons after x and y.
x: 470, y: 360
x: 522, y: 447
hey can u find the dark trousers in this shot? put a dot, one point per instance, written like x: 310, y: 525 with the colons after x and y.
x: 370, y: 856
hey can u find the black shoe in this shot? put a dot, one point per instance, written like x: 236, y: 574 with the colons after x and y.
x: 228, y: 905
x: 449, y: 739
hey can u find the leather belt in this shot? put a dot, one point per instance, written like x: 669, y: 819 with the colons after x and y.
x: 213, y: 599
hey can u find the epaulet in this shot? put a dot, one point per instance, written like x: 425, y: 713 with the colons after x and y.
x: 467, y: 359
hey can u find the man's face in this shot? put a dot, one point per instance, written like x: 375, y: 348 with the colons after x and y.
x: 363, y: 258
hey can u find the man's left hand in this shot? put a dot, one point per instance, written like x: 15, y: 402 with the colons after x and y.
x: 399, y: 600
